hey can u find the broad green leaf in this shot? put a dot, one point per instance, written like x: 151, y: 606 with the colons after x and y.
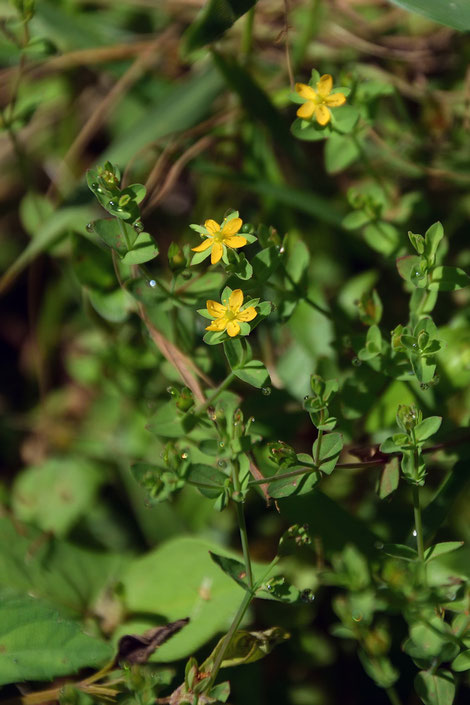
x: 178, y: 580
x: 435, y: 688
x: 114, y: 233
x: 340, y: 152
x: 461, y: 662
x: 448, y: 279
x: 71, y: 576
x: 70, y: 218
x: 453, y: 13
x: 212, y: 481
x: 428, y: 427
x: 309, y: 131
x: 382, y: 237
x: 379, y: 668
x: 433, y: 236
x: 113, y: 306
x: 254, y: 373
x: 215, y: 18
x: 34, y: 210
x: 38, y: 643
x: 389, y: 479
x: 299, y: 484
x: 439, y: 549
x: 407, y: 264
x: 91, y: 264
x: 54, y: 495
x: 234, y: 352
x: 330, y: 450
x: 231, y: 567
x: 143, y: 250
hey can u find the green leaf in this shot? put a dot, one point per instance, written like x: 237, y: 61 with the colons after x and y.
x: 70, y: 576
x: 38, y: 643
x: 439, y: 549
x: 345, y: 119
x: 433, y: 236
x: 407, y: 264
x: 234, y: 352
x: 231, y: 567
x: 340, y: 152
x: 461, y: 662
x: 448, y: 279
x: 51, y: 229
x: 170, y: 581
x: 398, y: 550
x: 91, y: 264
x: 112, y: 306
x: 213, y: 479
x: 453, y: 13
x: 389, y: 479
x: 428, y: 427
x: 34, y: 210
x: 435, y: 688
x: 111, y: 230
x: 309, y: 131
x: 143, y: 250
x: 379, y: 668
x: 215, y: 18
x: 382, y: 237
x: 300, y: 484
x: 254, y: 373
x: 54, y: 495
x: 330, y: 450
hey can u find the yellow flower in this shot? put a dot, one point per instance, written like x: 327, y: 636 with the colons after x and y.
x: 319, y: 102
x: 228, y: 317
x: 217, y: 237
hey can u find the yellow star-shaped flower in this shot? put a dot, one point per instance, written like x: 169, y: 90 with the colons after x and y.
x: 228, y: 317
x: 217, y: 237
x: 319, y: 102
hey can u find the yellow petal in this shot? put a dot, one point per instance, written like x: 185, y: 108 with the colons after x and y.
x: 215, y: 309
x: 335, y: 100
x: 204, y: 245
x: 212, y: 226
x: 235, y: 300
x: 247, y: 315
x: 322, y: 115
x: 324, y: 85
x: 217, y: 252
x: 235, y: 241
x: 218, y: 325
x: 233, y: 328
x: 232, y: 227
x: 306, y: 110
x: 305, y: 91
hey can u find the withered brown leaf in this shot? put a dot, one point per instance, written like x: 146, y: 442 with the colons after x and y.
x: 137, y: 648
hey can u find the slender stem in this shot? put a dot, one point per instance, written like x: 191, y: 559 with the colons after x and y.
x: 319, y: 441
x: 228, y: 638
x: 393, y: 696
x: 247, y: 38
x: 242, y: 526
x: 418, y: 523
x: 222, y: 386
x: 305, y: 297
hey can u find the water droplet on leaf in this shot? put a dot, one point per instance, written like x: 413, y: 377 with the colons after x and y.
x: 152, y: 283
x: 356, y: 362
x: 266, y: 391
x: 90, y: 227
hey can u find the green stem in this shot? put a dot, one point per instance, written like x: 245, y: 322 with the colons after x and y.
x: 319, y: 440
x: 393, y: 696
x: 304, y: 296
x: 123, y: 232
x: 282, y: 476
x: 418, y: 523
x: 222, y: 386
x: 247, y: 38
x: 228, y: 638
x: 242, y: 526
